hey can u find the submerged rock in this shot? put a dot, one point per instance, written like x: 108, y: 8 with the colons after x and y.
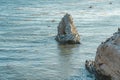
x: 107, y: 61
x: 90, y: 6
x: 67, y: 32
x: 110, y: 2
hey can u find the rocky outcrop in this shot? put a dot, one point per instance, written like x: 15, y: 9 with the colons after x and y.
x: 107, y: 61
x: 67, y: 32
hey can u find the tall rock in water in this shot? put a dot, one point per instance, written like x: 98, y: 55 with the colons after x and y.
x: 107, y: 61
x: 67, y: 32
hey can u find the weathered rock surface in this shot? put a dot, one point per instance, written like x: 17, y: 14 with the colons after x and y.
x: 67, y: 32
x: 107, y: 61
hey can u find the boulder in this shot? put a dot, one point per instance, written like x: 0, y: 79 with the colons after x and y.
x: 67, y: 32
x: 107, y: 61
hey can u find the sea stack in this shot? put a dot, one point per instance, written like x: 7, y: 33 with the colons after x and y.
x: 107, y: 61
x: 67, y: 32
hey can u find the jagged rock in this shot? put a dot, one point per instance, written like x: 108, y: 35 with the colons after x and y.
x: 107, y: 61
x: 90, y: 66
x: 67, y: 32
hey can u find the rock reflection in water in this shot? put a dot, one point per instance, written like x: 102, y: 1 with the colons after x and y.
x: 65, y: 60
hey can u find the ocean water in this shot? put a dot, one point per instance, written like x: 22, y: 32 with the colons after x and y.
x: 28, y: 50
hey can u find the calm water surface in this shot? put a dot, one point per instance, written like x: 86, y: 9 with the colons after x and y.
x: 28, y: 50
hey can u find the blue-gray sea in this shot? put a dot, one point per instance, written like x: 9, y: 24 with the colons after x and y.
x: 28, y: 50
